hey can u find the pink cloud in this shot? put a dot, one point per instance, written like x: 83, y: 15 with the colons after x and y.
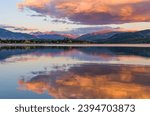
x: 92, y: 11
x: 15, y: 28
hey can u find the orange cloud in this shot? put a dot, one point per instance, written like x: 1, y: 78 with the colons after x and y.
x: 34, y: 3
x: 92, y: 11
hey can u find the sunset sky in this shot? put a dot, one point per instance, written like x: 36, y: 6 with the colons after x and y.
x: 74, y: 15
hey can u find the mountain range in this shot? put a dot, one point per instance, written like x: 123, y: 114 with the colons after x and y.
x: 96, y: 37
x: 117, y: 37
x: 8, y: 35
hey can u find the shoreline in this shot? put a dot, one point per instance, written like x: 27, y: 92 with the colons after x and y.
x: 76, y: 45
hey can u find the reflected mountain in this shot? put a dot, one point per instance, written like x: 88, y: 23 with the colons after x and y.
x: 75, y: 52
x: 92, y: 81
x: 100, y: 55
x: 8, y: 52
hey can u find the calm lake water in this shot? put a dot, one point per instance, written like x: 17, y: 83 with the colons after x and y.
x: 74, y: 72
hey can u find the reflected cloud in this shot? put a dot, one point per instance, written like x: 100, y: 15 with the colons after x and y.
x: 92, y: 81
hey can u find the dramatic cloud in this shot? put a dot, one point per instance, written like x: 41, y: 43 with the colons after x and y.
x: 92, y: 11
x: 17, y: 28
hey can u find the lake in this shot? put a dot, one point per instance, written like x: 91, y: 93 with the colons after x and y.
x: 77, y: 72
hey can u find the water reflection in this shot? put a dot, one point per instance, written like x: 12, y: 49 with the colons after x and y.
x: 66, y: 72
x: 93, y: 81
x: 111, y: 55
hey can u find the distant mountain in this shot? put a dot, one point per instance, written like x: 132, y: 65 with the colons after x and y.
x: 118, y: 37
x: 70, y: 36
x: 8, y: 35
x: 52, y: 36
x: 97, y: 36
x: 131, y: 37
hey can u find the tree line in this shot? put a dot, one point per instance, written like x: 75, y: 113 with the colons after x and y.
x: 70, y: 41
